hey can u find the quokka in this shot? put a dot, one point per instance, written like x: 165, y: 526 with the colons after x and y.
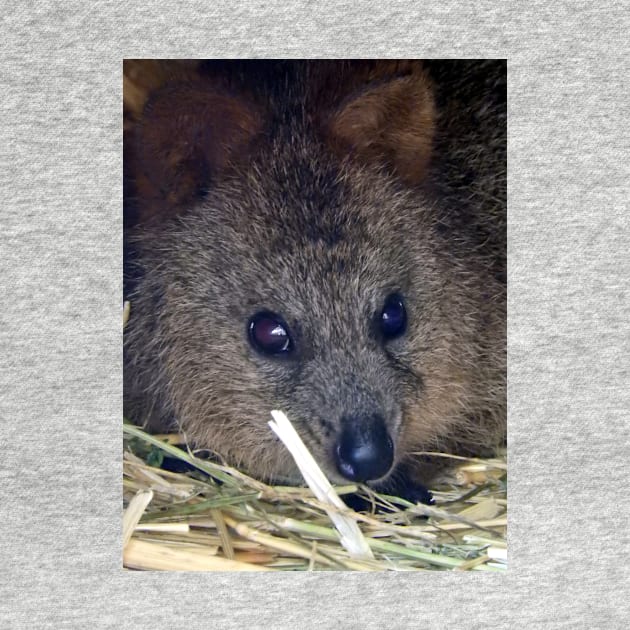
x: 326, y: 238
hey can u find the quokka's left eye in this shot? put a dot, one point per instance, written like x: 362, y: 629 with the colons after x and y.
x: 393, y: 320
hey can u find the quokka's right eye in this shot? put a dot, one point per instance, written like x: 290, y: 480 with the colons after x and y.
x: 269, y: 334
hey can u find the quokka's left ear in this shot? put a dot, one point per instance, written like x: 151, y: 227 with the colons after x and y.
x: 390, y: 118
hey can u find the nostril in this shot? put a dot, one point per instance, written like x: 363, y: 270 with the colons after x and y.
x: 364, y: 453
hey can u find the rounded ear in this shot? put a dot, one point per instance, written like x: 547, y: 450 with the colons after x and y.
x: 390, y: 119
x: 188, y: 134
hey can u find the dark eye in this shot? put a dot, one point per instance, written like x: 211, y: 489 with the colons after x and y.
x: 393, y: 320
x: 269, y: 334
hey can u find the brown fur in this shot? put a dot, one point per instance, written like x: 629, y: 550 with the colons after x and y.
x: 315, y: 189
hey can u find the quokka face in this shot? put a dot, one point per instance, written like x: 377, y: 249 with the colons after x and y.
x: 291, y: 253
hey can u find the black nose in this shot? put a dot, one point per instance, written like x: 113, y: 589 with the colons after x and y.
x: 364, y: 451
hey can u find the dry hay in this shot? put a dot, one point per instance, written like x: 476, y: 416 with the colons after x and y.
x: 214, y: 517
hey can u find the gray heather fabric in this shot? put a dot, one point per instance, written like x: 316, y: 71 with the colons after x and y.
x: 60, y: 365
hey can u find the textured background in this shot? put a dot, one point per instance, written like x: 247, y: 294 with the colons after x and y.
x: 60, y: 317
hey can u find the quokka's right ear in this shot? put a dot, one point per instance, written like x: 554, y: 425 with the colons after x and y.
x: 187, y: 135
